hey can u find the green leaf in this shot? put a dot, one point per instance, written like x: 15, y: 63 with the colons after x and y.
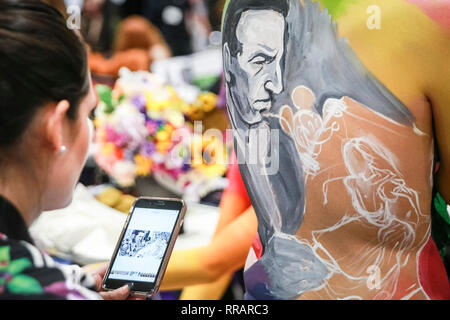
x: 337, y: 8
x: 441, y: 207
x: 23, y: 284
x: 205, y: 82
x: 105, y: 95
x: 4, y: 253
x: 17, y: 266
x: 4, y: 257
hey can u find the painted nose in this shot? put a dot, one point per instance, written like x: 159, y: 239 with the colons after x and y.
x: 275, y: 83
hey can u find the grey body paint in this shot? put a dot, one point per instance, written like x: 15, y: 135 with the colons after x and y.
x: 292, y: 267
x: 316, y: 58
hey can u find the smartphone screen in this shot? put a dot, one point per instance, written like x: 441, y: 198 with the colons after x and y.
x: 144, y: 245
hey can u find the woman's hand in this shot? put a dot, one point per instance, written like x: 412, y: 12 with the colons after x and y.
x: 98, y: 272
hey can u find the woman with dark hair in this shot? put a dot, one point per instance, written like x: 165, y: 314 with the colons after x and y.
x: 46, y: 97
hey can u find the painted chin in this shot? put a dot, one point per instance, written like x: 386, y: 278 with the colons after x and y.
x: 256, y: 114
x: 252, y: 118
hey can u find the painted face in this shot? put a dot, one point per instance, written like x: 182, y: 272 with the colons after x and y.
x: 261, y: 33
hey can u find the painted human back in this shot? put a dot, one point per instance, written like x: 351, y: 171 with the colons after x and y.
x: 348, y: 214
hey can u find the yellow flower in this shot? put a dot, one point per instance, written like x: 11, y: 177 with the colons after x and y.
x: 175, y: 117
x: 97, y: 122
x: 216, y: 170
x: 185, y: 107
x: 154, y: 104
x: 162, y: 136
x: 143, y: 165
x: 208, y: 156
x: 108, y: 149
x: 196, y: 114
x: 208, y: 101
x: 163, y: 147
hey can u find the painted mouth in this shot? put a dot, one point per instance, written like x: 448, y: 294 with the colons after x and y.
x: 262, y: 105
x: 260, y: 109
x: 262, y: 101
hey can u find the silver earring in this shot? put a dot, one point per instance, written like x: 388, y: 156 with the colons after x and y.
x: 62, y: 150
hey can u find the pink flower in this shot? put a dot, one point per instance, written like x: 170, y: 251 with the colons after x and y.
x: 152, y: 127
x: 119, y: 139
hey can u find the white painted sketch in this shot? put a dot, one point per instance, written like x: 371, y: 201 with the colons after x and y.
x: 373, y: 181
x: 287, y: 70
x: 309, y: 130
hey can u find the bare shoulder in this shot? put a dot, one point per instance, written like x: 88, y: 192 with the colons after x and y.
x: 395, y: 31
x: 402, y: 46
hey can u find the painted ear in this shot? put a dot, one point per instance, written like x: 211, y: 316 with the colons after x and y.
x: 286, y: 119
x: 226, y: 62
x: 303, y: 98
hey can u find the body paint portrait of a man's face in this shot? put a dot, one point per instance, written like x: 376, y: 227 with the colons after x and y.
x: 344, y: 216
x: 259, y: 61
x: 254, y: 57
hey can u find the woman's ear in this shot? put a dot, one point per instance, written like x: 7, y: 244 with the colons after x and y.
x: 54, y: 126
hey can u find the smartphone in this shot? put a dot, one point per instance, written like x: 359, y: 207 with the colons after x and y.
x: 145, y: 245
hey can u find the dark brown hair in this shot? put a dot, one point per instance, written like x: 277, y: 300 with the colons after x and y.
x: 41, y: 61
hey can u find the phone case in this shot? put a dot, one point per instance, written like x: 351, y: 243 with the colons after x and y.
x: 170, y: 247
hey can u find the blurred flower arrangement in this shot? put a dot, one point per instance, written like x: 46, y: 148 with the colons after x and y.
x: 144, y: 128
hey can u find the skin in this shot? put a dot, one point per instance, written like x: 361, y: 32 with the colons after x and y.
x: 209, y: 279
x: 425, y: 91
x: 48, y: 182
x: 409, y: 56
x: 420, y: 51
x: 49, y: 131
x: 436, y: 10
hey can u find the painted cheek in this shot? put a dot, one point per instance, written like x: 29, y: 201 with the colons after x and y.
x: 257, y: 90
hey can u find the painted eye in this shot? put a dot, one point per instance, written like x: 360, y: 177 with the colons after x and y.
x: 261, y: 59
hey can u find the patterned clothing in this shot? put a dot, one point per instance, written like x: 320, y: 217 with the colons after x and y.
x: 28, y: 273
